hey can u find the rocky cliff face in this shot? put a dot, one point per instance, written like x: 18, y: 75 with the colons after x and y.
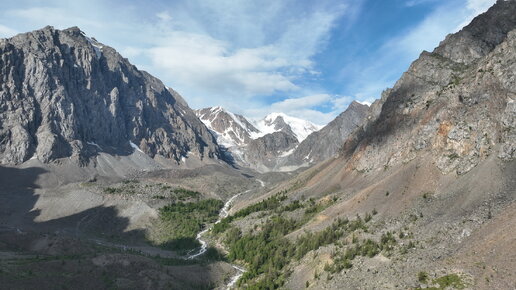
x: 264, y: 153
x: 230, y: 129
x: 63, y: 94
x: 326, y: 142
x: 456, y: 102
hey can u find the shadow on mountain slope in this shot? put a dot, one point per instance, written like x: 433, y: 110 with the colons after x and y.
x: 67, y: 251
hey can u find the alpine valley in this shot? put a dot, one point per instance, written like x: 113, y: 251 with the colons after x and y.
x: 108, y: 179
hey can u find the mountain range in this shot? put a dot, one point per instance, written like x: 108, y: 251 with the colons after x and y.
x: 65, y: 95
x: 280, y: 142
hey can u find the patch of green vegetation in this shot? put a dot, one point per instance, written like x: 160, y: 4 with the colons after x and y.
x: 316, y: 207
x: 422, y: 277
x: 271, y: 203
x: 452, y: 281
x: 183, y: 194
x: 368, y: 248
x: 222, y: 226
x: 182, y: 221
x: 312, y: 241
x: 453, y: 156
x: 112, y: 190
x: 265, y: 250
x: 296, y: 204
x: 268, y: 252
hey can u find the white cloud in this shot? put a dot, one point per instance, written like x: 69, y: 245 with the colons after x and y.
x: 316, y: 108
x: 239, y: 49
x: 300, y: 103
x: 164, y: 16
x: 206, y: 66
x: 6, y: 31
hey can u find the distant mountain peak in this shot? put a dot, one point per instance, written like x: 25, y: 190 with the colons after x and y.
x: 276, y: 121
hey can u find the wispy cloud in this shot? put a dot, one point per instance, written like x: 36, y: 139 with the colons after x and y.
x: 253, y: 57
x: 370, y: 78
x: 240, y: 50
x: 7, y: 31
x: 411, y: 3
x: 317, y: 108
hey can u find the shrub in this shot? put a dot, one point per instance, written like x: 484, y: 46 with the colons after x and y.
x: 422, y: 277
x: 449, y: 281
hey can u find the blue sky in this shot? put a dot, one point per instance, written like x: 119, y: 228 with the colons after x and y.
x: 309, y: 59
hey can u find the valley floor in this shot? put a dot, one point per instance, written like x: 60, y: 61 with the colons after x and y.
x: 410, y: 228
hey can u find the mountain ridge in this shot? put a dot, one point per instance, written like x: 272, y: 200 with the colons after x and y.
x: 63, y: 92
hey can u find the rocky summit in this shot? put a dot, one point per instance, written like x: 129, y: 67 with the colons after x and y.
x: 64, y: 94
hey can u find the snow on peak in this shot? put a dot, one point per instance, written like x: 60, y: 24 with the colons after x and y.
x: 272, y: 123
x: 236, y: 130
x: 229, y: 129
x: 364, y: 103
x: 97, y: 46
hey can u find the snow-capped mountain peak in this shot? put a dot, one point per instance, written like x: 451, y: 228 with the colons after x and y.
x: 229, y: 129
x: 275, y: 122
x: 235, y: 130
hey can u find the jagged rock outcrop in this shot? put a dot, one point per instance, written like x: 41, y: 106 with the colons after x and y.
x: 326, y: 142
x: 455, y: 102
x: 230, y: 129
x: 263, y: 153
x: 63, y: 94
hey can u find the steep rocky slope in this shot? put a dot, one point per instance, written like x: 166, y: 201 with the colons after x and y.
x: 326, y: 142
x: 63, y: 94
x: 230, y: 129
x: 422, y: 194
x: 456, y: 102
